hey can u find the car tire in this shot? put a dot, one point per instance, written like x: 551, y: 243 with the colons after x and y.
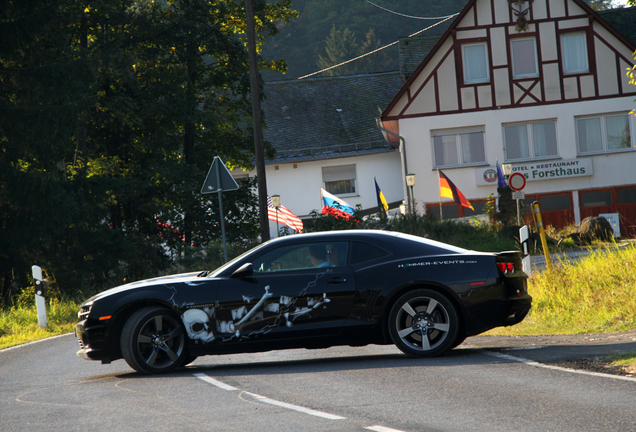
x: 153, y: 341
x: 423, y: 323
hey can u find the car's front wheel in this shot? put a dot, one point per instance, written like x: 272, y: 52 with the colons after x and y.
x: 423, y: 323
x: 153, y: 341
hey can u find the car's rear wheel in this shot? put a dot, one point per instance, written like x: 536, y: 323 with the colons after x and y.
x: 423, y: 323
x: 153, y: 341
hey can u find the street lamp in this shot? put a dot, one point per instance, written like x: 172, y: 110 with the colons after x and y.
x: 507, y: 169
x: 410, y: 182
x: 276, y: 204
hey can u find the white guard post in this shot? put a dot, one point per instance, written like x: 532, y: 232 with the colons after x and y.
x: 524, y: 236
x: 39, y: 296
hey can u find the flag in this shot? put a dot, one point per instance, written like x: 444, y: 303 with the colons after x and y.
x: 283, y: 216
x: 382, y: 204
x: 334, y: 206
x: 447, y: 189
x: 501, y: 180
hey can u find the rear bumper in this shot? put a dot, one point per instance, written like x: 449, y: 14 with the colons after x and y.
x: 92, y: 342
x: 519, y: 308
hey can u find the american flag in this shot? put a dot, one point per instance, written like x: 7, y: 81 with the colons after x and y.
x: 285, y: 217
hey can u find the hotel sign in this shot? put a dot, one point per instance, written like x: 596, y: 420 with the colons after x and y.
x: 539, y: 170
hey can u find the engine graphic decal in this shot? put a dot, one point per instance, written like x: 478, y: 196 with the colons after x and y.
x: 211, y: 324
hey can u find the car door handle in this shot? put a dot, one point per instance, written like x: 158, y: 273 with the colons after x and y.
x: 337, y: 280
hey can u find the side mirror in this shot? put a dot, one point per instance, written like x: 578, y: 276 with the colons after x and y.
x: 243, y: 271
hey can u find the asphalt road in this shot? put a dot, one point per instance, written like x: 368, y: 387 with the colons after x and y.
x: 486, y: 384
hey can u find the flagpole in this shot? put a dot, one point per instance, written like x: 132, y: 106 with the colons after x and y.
x: 440, y: 197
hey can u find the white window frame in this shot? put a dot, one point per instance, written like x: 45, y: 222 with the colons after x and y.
x: 529, y: 125
x: 459, y: 148
x: 335, y: 173
x: 570, y: 71
x: 466, y: 68
x: 516, y: 75
x: 604, y: 138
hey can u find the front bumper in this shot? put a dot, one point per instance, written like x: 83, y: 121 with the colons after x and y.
x: 92, y: 342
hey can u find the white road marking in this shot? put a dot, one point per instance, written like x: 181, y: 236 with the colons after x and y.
x: 381, y: 429
x: 295, y: 407
x: 546, y: 366
x: 264, y: 399
x: 214, y: 382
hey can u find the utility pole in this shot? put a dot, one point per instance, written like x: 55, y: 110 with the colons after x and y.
x: 256, y: 117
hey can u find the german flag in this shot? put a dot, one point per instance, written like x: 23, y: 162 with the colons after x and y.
x: 447, y: 189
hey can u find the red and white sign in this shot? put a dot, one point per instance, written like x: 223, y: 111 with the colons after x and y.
x: 517, y: 181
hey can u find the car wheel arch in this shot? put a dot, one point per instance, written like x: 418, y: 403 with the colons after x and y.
x: 441, y: 289
x: 121, y: 317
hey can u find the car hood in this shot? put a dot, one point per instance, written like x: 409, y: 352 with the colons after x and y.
x: 187, y: 278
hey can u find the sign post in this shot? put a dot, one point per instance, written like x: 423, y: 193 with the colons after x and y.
x: 517, y: 182
x: 40, y: 304
x: 218, y: 180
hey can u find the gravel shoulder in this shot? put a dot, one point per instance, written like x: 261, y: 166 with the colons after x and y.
x: 580, y: 351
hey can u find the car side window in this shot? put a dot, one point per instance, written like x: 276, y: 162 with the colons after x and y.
x: 361, y: 252
x: 302, y: 256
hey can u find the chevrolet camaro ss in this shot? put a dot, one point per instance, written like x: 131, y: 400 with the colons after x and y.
x: 313, y: 290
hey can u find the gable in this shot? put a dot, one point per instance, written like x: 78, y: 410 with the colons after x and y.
x: 508, y: 54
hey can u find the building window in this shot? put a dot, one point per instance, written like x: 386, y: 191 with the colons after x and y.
x: 555, y: 202
x: 457, y: 147
x: 340, y: 180
x: 596, y: 198
x: 524, y: 58
x: 475, y: 62
x: 574, y: 53
x: 530, y: 140
x: 604, y: 133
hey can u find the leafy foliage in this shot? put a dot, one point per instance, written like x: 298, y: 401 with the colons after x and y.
x: 110, y: 113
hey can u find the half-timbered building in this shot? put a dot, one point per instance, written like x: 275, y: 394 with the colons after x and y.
x: 540, y: 84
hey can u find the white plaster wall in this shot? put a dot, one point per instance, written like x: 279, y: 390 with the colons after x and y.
x: 299, y: 188
x: 613, y: 169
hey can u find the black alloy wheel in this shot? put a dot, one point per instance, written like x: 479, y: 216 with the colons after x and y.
x: 154, y: 341
x: 423, y: 323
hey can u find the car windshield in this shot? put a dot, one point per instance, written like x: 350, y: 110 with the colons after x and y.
x: 225, y: 266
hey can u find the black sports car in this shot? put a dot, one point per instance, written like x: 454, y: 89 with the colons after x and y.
x: 309, y: 291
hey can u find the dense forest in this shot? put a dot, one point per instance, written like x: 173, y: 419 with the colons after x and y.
x: 111, y: 112
x: 328, y: 32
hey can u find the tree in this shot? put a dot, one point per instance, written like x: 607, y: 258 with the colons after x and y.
x: 110, y: 113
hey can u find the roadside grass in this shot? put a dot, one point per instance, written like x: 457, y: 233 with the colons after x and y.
x: 593, y: 295
x: 19, y: 324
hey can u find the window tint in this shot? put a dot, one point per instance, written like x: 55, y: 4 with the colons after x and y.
x: 626, y: 196
x: 302, y: 256
x: 555, y: 202
x: 596, y: 198
x: 361, y: 252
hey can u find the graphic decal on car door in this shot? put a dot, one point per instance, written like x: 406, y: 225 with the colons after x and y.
x: 208, y: 324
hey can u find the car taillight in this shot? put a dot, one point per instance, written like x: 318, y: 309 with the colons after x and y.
x: 506, y: 267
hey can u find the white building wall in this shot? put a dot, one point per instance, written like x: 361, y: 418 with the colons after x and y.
x: 611, y: 169
x: 299, y: 188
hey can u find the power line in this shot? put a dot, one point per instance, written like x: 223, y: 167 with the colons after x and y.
x: 376, y: 50
x: 408, y: 16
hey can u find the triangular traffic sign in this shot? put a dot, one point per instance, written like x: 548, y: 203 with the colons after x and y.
x: 218, y: 178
